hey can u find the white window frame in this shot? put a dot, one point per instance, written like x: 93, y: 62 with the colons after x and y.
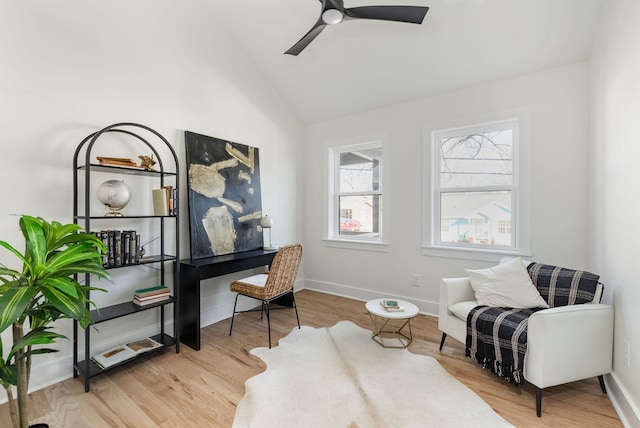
x: 520, y: 190
x: 332, y: 237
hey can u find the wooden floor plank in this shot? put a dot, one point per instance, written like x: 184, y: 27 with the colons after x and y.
x: 202, y: 388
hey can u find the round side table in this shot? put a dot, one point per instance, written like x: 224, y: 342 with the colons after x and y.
x: 391, y: 329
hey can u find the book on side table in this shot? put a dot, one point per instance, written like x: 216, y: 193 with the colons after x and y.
x: 391, y: 305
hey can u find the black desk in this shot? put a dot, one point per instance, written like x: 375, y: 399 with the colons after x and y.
x: 193, y: 271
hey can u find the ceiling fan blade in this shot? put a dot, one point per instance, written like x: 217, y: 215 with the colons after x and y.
x: 410, y: 14
x: 307, y: 38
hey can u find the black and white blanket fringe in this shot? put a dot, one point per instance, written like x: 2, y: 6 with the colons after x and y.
x: 499, y: 340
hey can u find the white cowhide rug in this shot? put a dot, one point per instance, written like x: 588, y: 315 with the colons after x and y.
x: 339, y: 377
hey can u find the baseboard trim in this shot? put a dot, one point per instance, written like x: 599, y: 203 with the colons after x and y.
x: 627, y: 411
x: 424, y: 306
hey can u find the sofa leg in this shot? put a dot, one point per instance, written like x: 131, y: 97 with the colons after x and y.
x: 538, y: 401
x: 444, y: 336
x: 601, y: 380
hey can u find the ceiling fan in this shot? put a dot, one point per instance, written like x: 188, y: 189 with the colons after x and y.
x: 334, y: 12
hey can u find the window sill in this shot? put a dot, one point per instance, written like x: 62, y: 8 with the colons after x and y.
x: 471, y: 253
x: 352, y: 244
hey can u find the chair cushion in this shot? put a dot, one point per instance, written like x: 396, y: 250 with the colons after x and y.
x: 506, y: 285
x: 462, y: 309
x: 258, y: 280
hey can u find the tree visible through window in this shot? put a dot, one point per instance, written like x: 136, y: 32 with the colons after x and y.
x: 475, y: 185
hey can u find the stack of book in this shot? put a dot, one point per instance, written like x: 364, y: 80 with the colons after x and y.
x: 391, y: 305
x: 148, y: 296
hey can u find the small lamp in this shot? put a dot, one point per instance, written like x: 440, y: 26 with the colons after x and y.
x: 267, y: 223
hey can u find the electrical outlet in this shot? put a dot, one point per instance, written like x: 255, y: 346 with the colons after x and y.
x: 627, y: 353
x: 415, y: 280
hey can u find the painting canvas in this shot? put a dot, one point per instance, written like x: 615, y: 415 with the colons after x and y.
x: 225, y: 204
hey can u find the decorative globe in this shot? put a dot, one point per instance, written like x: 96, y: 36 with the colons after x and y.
x: 115, y: 195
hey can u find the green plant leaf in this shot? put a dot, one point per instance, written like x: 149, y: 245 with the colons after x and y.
x: 13, y: 303
x: 74, y: 256
x: 65, y: 285
x: 71, y: 307
x: 38, y: 336
x: 4, y: 271
x: 37, y: 352
x: 33, y: 231
x: 91, y: 268
x: 13, y: 250
x: 83, y: 237
x: 8, y: 375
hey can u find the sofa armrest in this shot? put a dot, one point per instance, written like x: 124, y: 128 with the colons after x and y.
x: 569, y: 343
x: 454, y: 290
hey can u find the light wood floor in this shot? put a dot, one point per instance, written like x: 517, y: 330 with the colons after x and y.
x: 202, y: 389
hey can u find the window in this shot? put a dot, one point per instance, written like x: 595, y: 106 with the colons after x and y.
x: 504, y: 227
x: 476, y: 189
x: 356, y: 198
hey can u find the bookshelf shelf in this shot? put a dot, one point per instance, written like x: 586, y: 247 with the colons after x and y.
x: 123, y: 170
x: 88, y: 369
x: 152, y: 259
x: 128, y: 136
x: 96, y: 217
x: 123, y: 309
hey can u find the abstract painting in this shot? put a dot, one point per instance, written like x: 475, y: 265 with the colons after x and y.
x: 225, y: 205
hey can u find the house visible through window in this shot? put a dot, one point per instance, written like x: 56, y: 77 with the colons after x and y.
x: 475, y: 184
x: 357, y: 192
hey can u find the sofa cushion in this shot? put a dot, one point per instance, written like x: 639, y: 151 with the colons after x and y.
x: 462, y: 309
x: 506, y: 285
x: 561, y: 286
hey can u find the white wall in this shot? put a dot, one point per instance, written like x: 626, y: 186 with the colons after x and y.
x: 615, y: 206
x: 558, y: 103
x: 71, y: 67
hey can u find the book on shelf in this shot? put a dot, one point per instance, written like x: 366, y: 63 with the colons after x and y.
x: 134, y: 244
x: 151, y: 300
x: 104, y: 160
x: 160, y: 202
x: 170, y: 201
x: 151, y: 291
x: 391, y: 305
x: 117, y: 251
x: 126, y: 248
x: 111, y: 246
x: 154, y: 296
x: 151, y: 295
x: 122, y: 353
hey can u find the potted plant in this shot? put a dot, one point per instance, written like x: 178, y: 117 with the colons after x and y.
x: 44, y: 290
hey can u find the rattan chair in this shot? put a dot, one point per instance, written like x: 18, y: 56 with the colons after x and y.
x: 275, y: 286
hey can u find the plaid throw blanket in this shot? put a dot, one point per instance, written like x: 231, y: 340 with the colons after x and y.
x: 497, y: 340
x: 561, y: 287
x: 497, y: 337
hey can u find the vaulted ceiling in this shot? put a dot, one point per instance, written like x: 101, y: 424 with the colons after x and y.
x: 364, y: 64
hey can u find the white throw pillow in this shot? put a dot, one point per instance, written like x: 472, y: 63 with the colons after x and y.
x: 506, y: 285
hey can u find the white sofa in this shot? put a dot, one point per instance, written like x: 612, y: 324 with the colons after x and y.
x: 564, y: 344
